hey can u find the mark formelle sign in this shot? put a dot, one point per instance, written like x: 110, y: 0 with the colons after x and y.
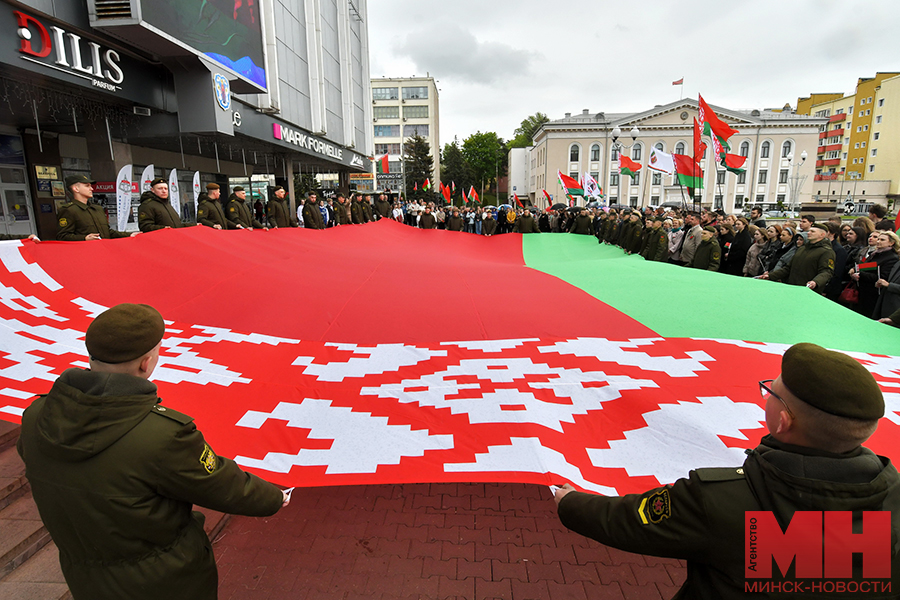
x: 821, y: 546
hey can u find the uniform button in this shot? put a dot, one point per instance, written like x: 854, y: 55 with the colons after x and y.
x: 161, y: 408
x: 739, y: 471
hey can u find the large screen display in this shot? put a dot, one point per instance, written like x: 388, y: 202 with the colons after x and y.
x: 228, y: 32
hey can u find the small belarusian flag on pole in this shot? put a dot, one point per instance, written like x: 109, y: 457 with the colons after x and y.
x: 383, y: 165
x: 427, y: 185
x: 519, y: 202
x: 465, y: 198
x: 453, y: 187
x: 679, y: 82
x: 473, y: 195
x: 416, y: 186
x: 628, y: 166
x: 688, y: 172
x: 549, y: 198
x: 734, y: 163
x: 570, y: 186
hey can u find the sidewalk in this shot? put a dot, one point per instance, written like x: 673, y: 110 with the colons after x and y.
x: 434, y: 541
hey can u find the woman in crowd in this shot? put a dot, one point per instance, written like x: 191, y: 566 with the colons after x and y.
x: 889, y: 285
x: 842, y: 238
x: 866, y: 223
x: 855, y: 243
x: 866, y: 274
x: 773, y: 243
x: 753, y: 264
x: 783, y: 255
x: 743, y: 240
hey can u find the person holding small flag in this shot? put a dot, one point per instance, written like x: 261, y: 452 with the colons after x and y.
x: 877, y: 267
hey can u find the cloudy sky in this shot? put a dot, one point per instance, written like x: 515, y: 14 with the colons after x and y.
x: 498, y: 61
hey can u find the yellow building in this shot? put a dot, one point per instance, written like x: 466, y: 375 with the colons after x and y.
x: 856, y: 145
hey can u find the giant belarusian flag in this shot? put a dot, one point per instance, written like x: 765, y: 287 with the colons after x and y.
x: 309, y: 381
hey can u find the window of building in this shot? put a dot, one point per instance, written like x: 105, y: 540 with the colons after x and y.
x: 614, y: 155
x: 874, y: 152
x: 876, y: 135
x: 845, y: 156
x: 395, y: 166
x: 720, y: 177
x: 659, y: 146
x: 595, y: 175
x: 862, y: 113
x: 868, y: 111
x: 856, y: 146
x: 839, y: 111
x: 854, y: 160
x: 613, y: 199
x: 881, y: 102
x: 742, y: 178
x: 878, y: 119
x: 780, y: 198
x: 574, y: 153
x: 862, y: 145
x: 595, y: 152
x: 573, y: 175
x: 654, y: 200
x: 862, y: 101
x: 415, y: 112
x: 858, y: 129
x: 785, y: 149
x: 387, y: 131
x: 382, y: 149
x: 865, y: 127
x: 385, y: 93
x: 614, y: 180
x: 871, y: 168
x: 386, y: 112
x: 832, y: 154
x: 763, y: 176
x: 764, y: 150
x: 412, y: 130
x: 636, y: 152
x: 783, y: 176
x: 679, y: 148
x: 719, y: 202
x: 760, y: 198
x: 745, y: 149
x: 633, y: 201
x: 869, y: 100
x: 415, y: 93
x: 636, y: 180
x: 739, y: 201
x: 657, y: 179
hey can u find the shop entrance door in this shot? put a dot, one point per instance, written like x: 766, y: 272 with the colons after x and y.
x: 15, y: 202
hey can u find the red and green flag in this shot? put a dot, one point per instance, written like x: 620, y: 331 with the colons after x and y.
x: 490, y: 397
x: 445, y: 192
x: 549, y: 198
x: 688, y: 172
x: 465, y: 198
x: 473, y: 195
x: 519, y: 202
x: 868, y: 266
x: 427, y: 185
x: 717, y: 130
x: 699, y: 146
x: 734, y: 163
x: 628, y: 166
x: 416, y: 186
x: 570, y: 186
x: 383, y: 165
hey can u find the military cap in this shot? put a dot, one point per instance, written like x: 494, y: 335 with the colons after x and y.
x: 124, y: 332
x: 710, y: 229
x: 822, y: 226
x: 277, y: 187
x: 157, y: 181
x: 832, y: 382
x: 73, y: 179
x: 212, y: 186
x: 238, y: 188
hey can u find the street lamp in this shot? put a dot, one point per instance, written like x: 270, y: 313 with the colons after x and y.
x: 796, y: 178
x: 620, y: 147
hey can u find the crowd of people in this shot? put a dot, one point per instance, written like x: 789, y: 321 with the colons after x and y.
x: 854, y: 263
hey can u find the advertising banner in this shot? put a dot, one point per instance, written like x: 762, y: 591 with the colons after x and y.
x: 196, y: 186
x: 146, y: 178
x: 123, y: 197
x: 174, y: 194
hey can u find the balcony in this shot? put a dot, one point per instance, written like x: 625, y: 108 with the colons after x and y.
x: 832, y: 133
x: 828, y: 177
x: 836, y: 118
x: 831, y: 162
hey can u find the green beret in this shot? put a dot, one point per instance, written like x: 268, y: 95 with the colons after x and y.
x: 157, y: 181
x: 822, y: 226
x: 124, y: 332
x: 212, y: 186
x: 832, y: 382
x: 238, y: 188
x: 710, y: 229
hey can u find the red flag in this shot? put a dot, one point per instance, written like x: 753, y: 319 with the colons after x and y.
x: 445, y: 191
x: 465, y: 198
x: 416, y: 187
x: 549, y: 199
x: 718, y: 126
x: 628, y: 166
x: 382, y: 164
x: 699, y: 146
x: 473, y: 195
x: 679, y: 82
x: 519, y: 202
x: 687, y: 171
x: 897, y: 222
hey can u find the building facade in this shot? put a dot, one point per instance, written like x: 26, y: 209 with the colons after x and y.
x: 772, y: 141
x: 92, y: 86
x: 403, y: 108
x: 860, y: 143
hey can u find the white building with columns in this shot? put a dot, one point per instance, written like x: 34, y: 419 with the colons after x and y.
x: 772, y: 141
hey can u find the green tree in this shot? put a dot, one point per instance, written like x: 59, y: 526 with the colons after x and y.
x: 524, y: 134
x: 455, y: 169
x: 418, y: 166
x: 486, y: 155
x: 304, y: 182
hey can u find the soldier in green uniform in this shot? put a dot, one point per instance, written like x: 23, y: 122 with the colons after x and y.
x: 81, y: 220
x: 489, y: 225
x: 813, y: 263
x: 342, y: 210
x: 526, y: 224
x: 155, y: 211
x: 239, y: 213
x: 209, y: 211
x: 582, y: 224
x: 818, y: 412
x: 658, y: 248
x: 357, y: 212
x: 427, y: 220
x: 367, y: 208
x: 279, y: 211
x: 454, y: 221
x: 708, y: 254
x: 312, y: 216
x: 114, y: 473
x: 382, y: 207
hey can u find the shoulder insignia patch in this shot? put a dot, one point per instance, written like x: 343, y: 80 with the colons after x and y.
x: 231, y: 209
x: 655, y: 507
x: 63, y: 222
x: 831, y: 264
x: 143, y: 215
x: 208, y: 459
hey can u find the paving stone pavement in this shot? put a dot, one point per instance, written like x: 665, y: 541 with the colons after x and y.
x: 435, y: 541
